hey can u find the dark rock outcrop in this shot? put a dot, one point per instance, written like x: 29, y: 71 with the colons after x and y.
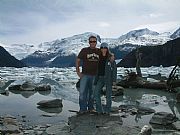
x: 165, y: 55
x: 7, y: 60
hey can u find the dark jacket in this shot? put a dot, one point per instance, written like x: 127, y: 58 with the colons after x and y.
x: 110, y: 73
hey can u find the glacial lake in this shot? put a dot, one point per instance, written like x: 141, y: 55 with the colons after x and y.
x: 62, y: 81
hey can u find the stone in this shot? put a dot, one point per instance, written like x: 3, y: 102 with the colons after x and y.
x: 51, y: 103
x: 51, y: 110
x: 58, y: 129
x: 43, y: 88
x: 176, y: 125
x: 14, y: 87
x: 28, y: 86
x: 117, y: 90
x: 93, y: 124
x: 162, y: 118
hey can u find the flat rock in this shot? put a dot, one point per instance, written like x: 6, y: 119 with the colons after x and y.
x: 51, y: 103
x: 162, y: 118
x: 176, y: 125
x: 58, y: 129
x: 93, y: 124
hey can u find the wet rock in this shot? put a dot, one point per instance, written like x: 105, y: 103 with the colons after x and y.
x: 176, y: 125
x: 91, y: 124
x: 4, y: 84
x: 145, y: 110
x: 58, y: 129
x: 4, y: 92
x: 117, y: 90
x: 28, y: 86
x: 43, y: 88
x: 135, y: 109
x: 14, y: 87
x: 51, y: 103
x: 9, y: 125
x: 114, y: 109
x: 162, y: 118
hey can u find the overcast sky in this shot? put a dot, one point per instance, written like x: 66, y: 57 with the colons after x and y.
x: 36, y: 21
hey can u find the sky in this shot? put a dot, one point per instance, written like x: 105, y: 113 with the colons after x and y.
x: 37, y: 21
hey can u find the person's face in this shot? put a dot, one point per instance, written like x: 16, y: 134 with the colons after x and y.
x: 104, y: 50
x: 92, y: 42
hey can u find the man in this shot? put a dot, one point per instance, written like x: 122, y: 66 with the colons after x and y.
x: 89, y: 57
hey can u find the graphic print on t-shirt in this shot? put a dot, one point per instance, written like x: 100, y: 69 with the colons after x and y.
x: 92, y: 57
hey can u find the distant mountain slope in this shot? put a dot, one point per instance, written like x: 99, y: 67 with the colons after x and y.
x: 62, y: 53
x: 6, y: 60
x: 176, y: 34
x: 165, y: 55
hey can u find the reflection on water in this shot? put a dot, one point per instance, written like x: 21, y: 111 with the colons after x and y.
x: 20, y: 103
x: 27, y: 94
x: 50, y: 110
x: 24, y: 103
x: 160, y: 101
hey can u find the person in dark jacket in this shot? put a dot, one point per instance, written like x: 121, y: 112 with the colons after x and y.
x: 106, y: 76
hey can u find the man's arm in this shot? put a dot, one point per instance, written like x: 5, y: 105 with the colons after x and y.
x: 78, y: 61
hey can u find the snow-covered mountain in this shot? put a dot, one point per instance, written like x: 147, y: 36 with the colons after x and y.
x: 71, y: 45
x: 176, y: 34
x: 49, y: 52
x: 63, y: 51
x: 144, y: 37
x: 7, y: 60
x: 60, y: 52
x: 20, y: 51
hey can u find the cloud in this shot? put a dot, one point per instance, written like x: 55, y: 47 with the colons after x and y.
x: 36, y: 21
x: 162, y: 27
x: 103, y: 24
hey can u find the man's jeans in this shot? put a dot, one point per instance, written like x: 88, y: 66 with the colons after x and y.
x: 100, y: 84
x: 86, y: 98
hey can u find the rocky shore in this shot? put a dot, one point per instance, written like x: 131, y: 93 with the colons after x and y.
x: 91, y: 124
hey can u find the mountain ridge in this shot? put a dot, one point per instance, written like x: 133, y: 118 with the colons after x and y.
x: 67, y: 48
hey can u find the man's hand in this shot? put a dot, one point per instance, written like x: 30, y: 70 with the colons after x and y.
x: 79, y: 74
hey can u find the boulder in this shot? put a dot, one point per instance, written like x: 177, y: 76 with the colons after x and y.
x: 59, y: 129
x: 43, y: 88
x: 9, y: 125
x: 51, y: 103
x: 28, y: 86
x: 93, y: 124
x: 117, y: 90
x: 163, y: 118
x: 14, y: 87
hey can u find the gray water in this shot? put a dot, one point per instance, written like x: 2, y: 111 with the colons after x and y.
x: 63, y: 82
x: 25, y: 104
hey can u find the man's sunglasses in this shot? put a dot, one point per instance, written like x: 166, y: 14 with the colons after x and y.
x: 92, y: 41
x: 103, y: 48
